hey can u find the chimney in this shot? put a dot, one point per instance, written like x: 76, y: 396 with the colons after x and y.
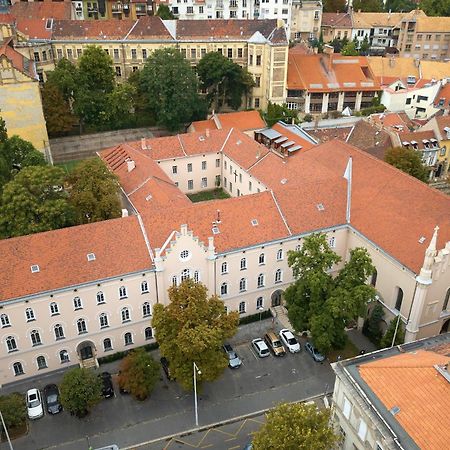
x: 143, y: 144
x: 218, y: 216
x: 328, y: 51
x: 130, y: 165
x: 207, y: 132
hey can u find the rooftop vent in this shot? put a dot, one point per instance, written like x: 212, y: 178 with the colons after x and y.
x: 239, y: 142
x: 215, y: 230
x: 91, y: 256
x: 284, y: 181
x: 201, y: 138
x: 422, y: 239
x: 394, y: 410
x: 320, y: 207
x: 35, y: 268
x: 254, y: 222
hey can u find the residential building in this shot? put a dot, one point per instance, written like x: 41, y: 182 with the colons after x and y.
x: 72, y: 295
x: 306, y: 20
x: 336, y: 26
x: 329, y: 82
x: 395, y: 398
x: 442, y: 99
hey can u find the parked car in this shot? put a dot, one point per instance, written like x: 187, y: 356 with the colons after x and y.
x: 289, y: 340
x: 107, y: 385
x: 318, y: 357
x: 165, y: 365
x: 274, y: 344
x: 234, y: 361
x: 260, y: 347
x: 34, y: 404
x: 51, y: 397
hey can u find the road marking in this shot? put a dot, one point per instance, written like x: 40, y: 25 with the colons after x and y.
x: 234, y: 448
x: 251, y: 349
x: 206, y: 446
x: 230, y: 439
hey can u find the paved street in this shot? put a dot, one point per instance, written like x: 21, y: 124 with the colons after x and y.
x: 259, y: 384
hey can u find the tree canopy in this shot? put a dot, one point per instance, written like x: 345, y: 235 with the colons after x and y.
x: 323, y: 304
x: 139, y: 373
x: 334, y: 5
x: 170, y: 87
x: 164, y: 12
x: 13, y: 410
x: 94, y: 192
x: 296, y: 426
x: 80, y: 390
x: 350, y: 49
x: 192, y: 328
x: 386, y: 340
x: 400, y: 5
x: 368, y: 5
x: 277, y: 112
x: 435, y: 7
x: 407, y: 160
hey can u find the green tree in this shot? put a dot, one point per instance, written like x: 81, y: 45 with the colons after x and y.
x: 13, y: 410
x: 386, y: 340
x: 192, y: 328
x: 400, y: 5
x: 120, y: 104
x: 350, y: 49
x: 364, y: 47
x: 34, y: 201
x: 80, y: 390
x: 277, y: 112
x: 65, y: 77
x: 170, y: 87
x: 435, y: 7
x: 3, y: 130
x: 94, y: 192
x: 407, y: 160
x: 138, y: 374
x: 296, y: 426
x: 334, y: 5
x: 165, y: 13
x: 58, y: 115
x: 368, y: 5
x: 372, y: 324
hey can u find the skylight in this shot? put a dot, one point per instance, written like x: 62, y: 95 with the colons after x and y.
x: 91, y: 256
x: 422, y: 239
x: 320, y: 207
x: 215, y: 230
x: 254, y: 222
x: 35, y: 268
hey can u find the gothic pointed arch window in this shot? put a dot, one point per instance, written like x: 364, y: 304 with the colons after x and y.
x: 59, y: 331
x: 18, y: 369
x: 185, y: 274
x: 399, y: 298
x: 146, y: 309
x: 224, y: 289
x: 11, y: 344
x: 144, y: 287
x: 81, y: 326
x: 41, y: 362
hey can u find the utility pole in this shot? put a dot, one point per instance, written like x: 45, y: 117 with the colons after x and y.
x: 6, y: 432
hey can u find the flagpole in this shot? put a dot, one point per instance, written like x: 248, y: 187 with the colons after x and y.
x: 348, y: 177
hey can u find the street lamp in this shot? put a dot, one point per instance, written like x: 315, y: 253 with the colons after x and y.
x: 6, y: 431
x: 199, y: 372
x: 260, y: 309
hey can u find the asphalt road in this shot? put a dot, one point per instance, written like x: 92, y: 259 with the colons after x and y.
x: 257, y: 385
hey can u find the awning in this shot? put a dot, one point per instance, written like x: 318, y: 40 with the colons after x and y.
x: 270, y: 134
x: 287, y: 144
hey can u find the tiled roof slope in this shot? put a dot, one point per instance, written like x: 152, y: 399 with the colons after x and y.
x: 370, y: 139
x: 433, y: 24
x: 92, y: 29
x: 373, y: 19
x: 336, y: 20
x: 149, y: 27
x: 18, y: 61
x: 242, y: 120
x: 118, y: 245
x: 41, y: 10
x: 419, y: 137
x: 299, y: 140
x: 411, y: 382
x: 443, y: 122
x: 34, y: 28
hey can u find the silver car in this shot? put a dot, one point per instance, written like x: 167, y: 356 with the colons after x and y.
x: 260, y: 347
x: 35, y: 408
x: 234, y: 361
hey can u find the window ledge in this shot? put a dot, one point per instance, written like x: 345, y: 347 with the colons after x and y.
x: 126, y: 321
x: 104, y: 326
x: 82, y: 332
x: 31, y: 320
x: 37, y: 344
x: 6, y: 326
x: 128, y: 343
x: 60, y: 338
x: 13, y: 351
x: 55, y: 314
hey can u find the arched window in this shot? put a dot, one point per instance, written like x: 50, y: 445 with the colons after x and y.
x: 29, y: 314
x: 174, y: 281
x: 280, y: 254
x: 185, y: 274
x: 103, y: 320
x: 4, y: 319
x: 446, y: 300
x: 107, y: 345
x: 196, y: 276
x: 100, y: 297
x: 128, y: 338
x: 399, y: 299
x: 122, y: 292
x: 146, y: 310
x: 144, y: 287
x: 11, y: 344
x: 64, y: 356
x: 54, y: 308
x: 148, y: 333
x: 373, y: 280
x: 35, y: 338
x: 125, y: 313
x: 262, y: 259
x: 18, y: 369
x: 242, y: 285
x: 259, y: 303
x: 81, y: 325
x: 243, y: 263
x: 59, y: 331
x: 225, y: 267
x: 224, y: 289
x: 260, y: 280
x: 77, y: 303
x: 41, y: 362
x: 242, y: 307
x: 278, y: 276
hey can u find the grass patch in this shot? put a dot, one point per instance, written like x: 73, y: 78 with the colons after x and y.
x: 69, y: 165
x: 214, y: 194
x: 349, y: 351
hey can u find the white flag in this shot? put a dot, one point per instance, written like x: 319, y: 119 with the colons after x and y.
x: 348, y: 170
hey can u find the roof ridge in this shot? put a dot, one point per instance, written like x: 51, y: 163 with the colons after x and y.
x: 281, y: 213
x: 182, y: 146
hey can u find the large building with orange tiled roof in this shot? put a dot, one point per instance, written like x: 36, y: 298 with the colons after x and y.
x: 396, y: 398
x: 93, y: 292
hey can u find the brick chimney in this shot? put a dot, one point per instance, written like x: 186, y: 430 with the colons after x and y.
x: 328, y: 51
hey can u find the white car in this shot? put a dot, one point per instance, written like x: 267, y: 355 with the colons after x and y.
x: 260, y: 347
x: 289, y: 340
x: 35, y: 408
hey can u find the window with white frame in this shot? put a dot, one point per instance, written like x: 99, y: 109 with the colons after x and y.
x: 41, y: 362
x: 11, y: 344
x: 144, y: 287
x: 64, y: 356
x: 259, y: 303
x: 4, y: 319
x: 77, y: 303
x: 190, y: 184
x: 103, y: 320
x: 347, y: 408
x: 218, y: 162
x: 128, y: 338
x: 203, y: 165
x: 242, y: 307
x: 81, y: 326
x: 204, y: 182
x: 332, y: 242
x: 174, y: 281
x: 107, y: 344
x: 148, y: 333
x: 262, y: 259
x: 54, y: 309
x: 146, y: 309
x: 362, y: 430
x: 29, y: 314
x: 224, y: 289
x: 242, y: 285
x: 125, y: 314
x: 100, y: 298
x: 18, y: 368
x: 123, y: 292
x: 189, y: 167
x: 59, y: 331
x: 278, y: 276
x: 280, y: 254
x: 224, y: 267
x: 243, y: 263
x: 260, y: 280
x: 35, y: 338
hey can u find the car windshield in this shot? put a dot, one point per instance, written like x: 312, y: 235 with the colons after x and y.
x: 52, y: 398
x: 276, y: 344
x: 232, y: 355
x: 265, y: 350
x: 33, y: 401
x: 292, y: 341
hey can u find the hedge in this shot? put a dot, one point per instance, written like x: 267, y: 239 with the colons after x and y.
x: 119, y: 355
x: 255, y: 317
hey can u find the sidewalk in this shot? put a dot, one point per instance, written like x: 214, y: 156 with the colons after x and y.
x: 361, y: 341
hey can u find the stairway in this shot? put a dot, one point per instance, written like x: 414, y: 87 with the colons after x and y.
x: 90, y: 363
x: 280, y: 312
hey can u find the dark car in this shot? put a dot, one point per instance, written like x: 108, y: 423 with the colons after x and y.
x: 166, y: 368
x: 107, y: 385
x: 51, y: 397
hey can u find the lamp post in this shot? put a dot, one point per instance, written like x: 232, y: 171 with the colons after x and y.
x: 260, y: 309
x: 199, y: 372
x: 6, y: 431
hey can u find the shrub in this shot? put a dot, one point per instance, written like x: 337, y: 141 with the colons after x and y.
x: 255, y: 317
x: 13, y: 410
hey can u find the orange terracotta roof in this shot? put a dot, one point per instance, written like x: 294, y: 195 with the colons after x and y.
x: 412, y: 383
x: 242, y: 120
x: 149, y: 27
x: 92, y: 29
x: 444, y: 94
x: 398, y: 122
x: 202, y: 125
x: 42, y: 10
x: 443, y: 122
x: 370, y: 139
x: 61, y: 255
x: 327, y: 134
x: 18, y: 61
x: 419, y: 137
x: 34, y: 28
x: 7, y: 18
x: 292, y: 136
x: 336, y: 20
